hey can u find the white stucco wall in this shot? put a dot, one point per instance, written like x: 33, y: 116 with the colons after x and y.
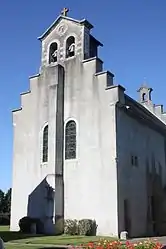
x: 25, y: 175
x: 39, y: 107
x: 28, y: 187
x: 90, y: 180
x: 137, y: 139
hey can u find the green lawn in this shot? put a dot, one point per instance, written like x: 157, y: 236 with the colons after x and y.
x: 7, y: 246
x: 15, y: 240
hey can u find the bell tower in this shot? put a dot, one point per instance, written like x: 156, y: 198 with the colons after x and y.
x: 66, y: 39
x: 145, y: 93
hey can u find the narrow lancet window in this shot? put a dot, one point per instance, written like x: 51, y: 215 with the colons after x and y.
x: 45, y: 144
x: 70, y: 140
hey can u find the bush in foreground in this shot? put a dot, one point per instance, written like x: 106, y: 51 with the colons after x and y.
x: 26, y: 224
x: 84, y: 227
x: 87, y: 227
x: 71, y: 227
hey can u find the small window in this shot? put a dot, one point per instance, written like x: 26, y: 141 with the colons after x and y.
x: 136, y: 161
x: 70, y: 140
x: 45, y: 144
x: 53, y: 53
x: 70, y: 47
x: 160, y: 170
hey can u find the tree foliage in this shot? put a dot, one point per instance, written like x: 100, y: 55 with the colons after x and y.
x: 5, y: 201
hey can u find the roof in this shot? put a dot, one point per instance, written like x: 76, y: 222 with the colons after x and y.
x: 138, y: 111
x: 81, y: 22
x: 144, y: 86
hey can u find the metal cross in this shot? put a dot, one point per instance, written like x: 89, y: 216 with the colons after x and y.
x: 64, y: 11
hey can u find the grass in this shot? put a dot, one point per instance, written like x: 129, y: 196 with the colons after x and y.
x: 59, y: 240
x: 10, y: 246
x: 18, y: 240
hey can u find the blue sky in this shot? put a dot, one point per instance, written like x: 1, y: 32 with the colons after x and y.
x: 132, y: 31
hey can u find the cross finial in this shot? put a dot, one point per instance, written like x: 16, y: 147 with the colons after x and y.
x: 64, y: 11
x: 144, y: 82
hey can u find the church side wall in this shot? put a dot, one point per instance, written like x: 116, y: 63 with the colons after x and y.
x: 90, y: 184
x: 136, y: 139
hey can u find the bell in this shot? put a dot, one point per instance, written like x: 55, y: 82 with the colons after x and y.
x: 55, y: 53
x: 72, y: 48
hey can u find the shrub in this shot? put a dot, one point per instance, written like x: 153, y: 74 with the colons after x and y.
x: 26, y: 222
x: 82, y: 227
x: 71, y: 227
x: 87, y: 227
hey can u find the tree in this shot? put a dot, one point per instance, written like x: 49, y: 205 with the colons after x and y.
x: 2, y: 195
x: 7, y: 202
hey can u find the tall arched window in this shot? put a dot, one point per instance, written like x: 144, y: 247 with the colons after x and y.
x: 70, y: 47
x: 45, y: 144
x: 70, y: 140
x: 53, y: 52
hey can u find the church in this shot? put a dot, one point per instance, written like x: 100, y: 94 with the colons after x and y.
x: 83, y: 148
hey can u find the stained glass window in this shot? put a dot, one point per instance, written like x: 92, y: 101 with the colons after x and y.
x: 45, y: 144
x: 70, y: 140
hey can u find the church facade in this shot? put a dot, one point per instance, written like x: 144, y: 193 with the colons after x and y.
x: 82, y: 148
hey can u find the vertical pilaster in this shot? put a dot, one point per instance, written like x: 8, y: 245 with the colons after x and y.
x: 55, y: 78
x: 59, y: 185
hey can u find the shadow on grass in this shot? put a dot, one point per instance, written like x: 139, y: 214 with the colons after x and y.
x: 8, y: 236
